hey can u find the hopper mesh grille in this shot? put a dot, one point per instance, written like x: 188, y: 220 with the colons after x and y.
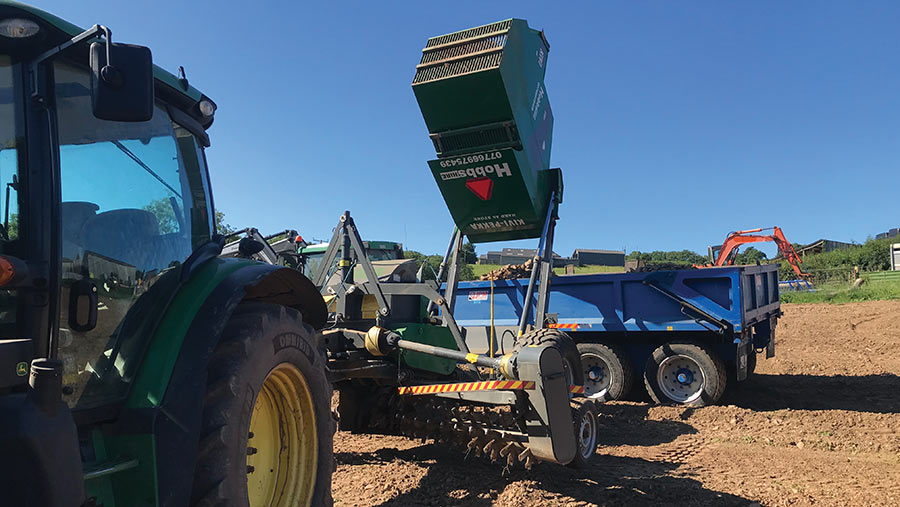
x: 468, y: 34
x: 448, y: 143
x: 492, y: 43
x: 458, y: 67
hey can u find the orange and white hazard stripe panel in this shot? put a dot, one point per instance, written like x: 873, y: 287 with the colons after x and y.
x: 488, y: 385
x: 563, y: 326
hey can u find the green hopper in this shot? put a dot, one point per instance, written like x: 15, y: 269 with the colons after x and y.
x: 482, y: 95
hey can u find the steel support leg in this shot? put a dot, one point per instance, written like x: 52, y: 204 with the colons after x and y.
x: 542, y: 253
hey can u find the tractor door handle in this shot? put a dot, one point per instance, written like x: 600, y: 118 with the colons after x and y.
x: 82, y: 305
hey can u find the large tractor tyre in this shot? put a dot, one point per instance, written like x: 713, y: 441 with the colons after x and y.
x: 685, y: 373
x: 561, y: 342
x: 608, y: 374
x: 587, y: 432
x: 267, y: 429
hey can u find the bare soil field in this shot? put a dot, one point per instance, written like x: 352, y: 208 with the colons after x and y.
x: 819, y: 424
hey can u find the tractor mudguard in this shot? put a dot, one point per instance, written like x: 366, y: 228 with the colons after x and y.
x: 178, y: 425
x: 174, y: 422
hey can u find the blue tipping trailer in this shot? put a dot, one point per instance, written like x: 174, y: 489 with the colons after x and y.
x: 685, y: 332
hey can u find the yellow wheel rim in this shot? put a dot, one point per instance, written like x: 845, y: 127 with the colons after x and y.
x: 282, y: 448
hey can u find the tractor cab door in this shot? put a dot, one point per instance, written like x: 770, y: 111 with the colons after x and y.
x: 134, y: 204
x: 16, y: 348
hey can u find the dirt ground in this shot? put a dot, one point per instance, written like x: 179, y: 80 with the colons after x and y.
x: 819, y: 424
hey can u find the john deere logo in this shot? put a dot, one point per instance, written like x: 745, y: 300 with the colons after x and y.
x: 22, y: 369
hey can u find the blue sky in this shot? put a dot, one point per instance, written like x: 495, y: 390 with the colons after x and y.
x: 675, y: 122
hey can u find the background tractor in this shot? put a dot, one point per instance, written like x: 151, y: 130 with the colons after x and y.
x: 137, y: 367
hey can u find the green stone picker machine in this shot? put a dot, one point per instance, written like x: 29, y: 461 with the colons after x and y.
x: 398, y: 359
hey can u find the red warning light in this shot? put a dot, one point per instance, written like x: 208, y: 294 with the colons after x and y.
x: 481, y: 187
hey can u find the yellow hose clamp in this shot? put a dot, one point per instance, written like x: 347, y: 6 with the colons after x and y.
x: 505, y: 366
x: 374, y: 338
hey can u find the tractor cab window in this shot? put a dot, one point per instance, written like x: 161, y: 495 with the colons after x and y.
x: 9, y: 155
x: 10, y: 140
x: 382, y: 255
x: 312, y: 263
x: 134, y: 206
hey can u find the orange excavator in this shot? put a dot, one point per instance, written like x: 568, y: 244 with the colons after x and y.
x: 724, y: 254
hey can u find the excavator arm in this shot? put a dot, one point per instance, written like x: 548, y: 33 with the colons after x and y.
x: 728, y: 251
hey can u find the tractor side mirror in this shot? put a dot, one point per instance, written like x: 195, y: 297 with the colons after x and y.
x: 121, y: 82
x: 82, y: 306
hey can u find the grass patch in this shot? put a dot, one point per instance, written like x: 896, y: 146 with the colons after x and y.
x: 584, y: 270
x: 483, y: 269
x: 841, y: 292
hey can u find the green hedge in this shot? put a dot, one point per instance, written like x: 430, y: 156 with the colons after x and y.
x: 873, y: 255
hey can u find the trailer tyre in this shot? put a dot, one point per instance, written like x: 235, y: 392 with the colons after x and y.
x: 685, y: 373
x: 561, y: 342
x: 608, y: 374
x: 267, y: 429
x: 587, y: 432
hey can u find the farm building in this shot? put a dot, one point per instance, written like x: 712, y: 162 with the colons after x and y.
x: 893, y: 233
x: 599, y: 257
x: 516, y: 256
x: 821, y: 246
x: 581, y: 257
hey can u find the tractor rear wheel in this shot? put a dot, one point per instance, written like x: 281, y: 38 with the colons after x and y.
x: 267, y: 430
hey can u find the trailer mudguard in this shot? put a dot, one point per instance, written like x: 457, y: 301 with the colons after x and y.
x: 161, y: 421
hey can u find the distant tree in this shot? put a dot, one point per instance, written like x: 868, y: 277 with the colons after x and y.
x: 672, y: 256
x: 165, y: 215
x: 750, y: 255
x: 468, y: 253
x: 12, y: 230
x: 221, y: 226
x: 433, y: 265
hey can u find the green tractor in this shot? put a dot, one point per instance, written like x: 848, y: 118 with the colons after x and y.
x: 137, y: 366
x: 378, y: 252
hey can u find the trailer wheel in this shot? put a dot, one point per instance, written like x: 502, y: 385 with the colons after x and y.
x: 608, y: 374
x: 685, y: 373
x: 267, y: 429
x: 561, y: 342
x: 587, y: 432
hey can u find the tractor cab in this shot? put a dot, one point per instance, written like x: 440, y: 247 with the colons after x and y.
x: 104, y: 191
x: 104, y: 196
x: 386, y: 256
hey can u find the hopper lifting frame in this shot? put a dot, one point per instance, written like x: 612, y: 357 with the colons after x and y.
x: 540, y: 271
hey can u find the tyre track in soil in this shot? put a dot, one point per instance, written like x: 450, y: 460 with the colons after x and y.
x: 818, y: 425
